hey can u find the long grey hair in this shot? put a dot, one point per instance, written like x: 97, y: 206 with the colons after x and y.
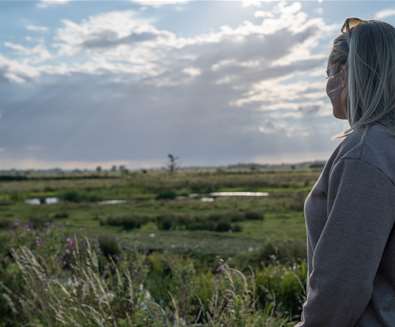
x: 368, y: 53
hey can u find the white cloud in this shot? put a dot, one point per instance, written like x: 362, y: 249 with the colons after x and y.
x: 263, y: 14
x: 17, y: 72
x: 254, y: 3
x: 108, y: 30
x: 35, y: 54
x: 159, y: 3
x: 384, y: 13
x: 192, y: 71
x: 50, y: 3
x: 152, y: 91
x: 36, y: 28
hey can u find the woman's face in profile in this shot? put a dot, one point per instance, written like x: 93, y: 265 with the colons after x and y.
x: 337, y: 91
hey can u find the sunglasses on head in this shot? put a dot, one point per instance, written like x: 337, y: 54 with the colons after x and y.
x: 350, y: 23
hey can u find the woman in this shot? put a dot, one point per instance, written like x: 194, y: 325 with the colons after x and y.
x: 350, y: 211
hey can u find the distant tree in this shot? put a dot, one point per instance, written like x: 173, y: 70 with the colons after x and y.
x: 172, y: 165
x: 114, y: 168
x: 98, y: 169
x: 123, y: 169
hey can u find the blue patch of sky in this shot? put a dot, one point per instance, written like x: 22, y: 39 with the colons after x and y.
x: 193, y: 18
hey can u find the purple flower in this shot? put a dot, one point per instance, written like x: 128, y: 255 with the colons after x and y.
x: 70, y: 244
x: 39, y: 241
x: 16, y: 223
x: 29, y: 226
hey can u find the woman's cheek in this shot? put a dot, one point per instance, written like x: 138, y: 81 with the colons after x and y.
x: 332, y: 91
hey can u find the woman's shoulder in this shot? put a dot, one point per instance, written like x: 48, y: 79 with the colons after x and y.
x: 374, y: 145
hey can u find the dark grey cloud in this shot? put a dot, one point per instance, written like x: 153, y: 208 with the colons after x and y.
x: 98, y: 119
x: 110, y: 114
x: 109, y: 39
x: 266, y: 48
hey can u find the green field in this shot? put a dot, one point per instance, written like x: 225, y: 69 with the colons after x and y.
x: 160, y: 219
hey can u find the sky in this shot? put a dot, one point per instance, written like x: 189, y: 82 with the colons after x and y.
x: 88, y: 83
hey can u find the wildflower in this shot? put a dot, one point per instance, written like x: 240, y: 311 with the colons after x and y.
x: 38, y: 241
x: 29, y: 226
x: 70, y: 244
x: 16, y: 223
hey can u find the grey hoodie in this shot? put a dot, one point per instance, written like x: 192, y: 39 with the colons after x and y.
x: 349, y: 216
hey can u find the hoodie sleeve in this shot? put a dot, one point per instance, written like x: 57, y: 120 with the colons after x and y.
x: 348, y: 252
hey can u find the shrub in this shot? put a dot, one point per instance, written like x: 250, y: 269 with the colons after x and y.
x: 85, y: 295
x: 156, y: 290
x: 39, y: 222
x: 166, y: 195
x: 71, y: 196
x: 126, y: 222
x: 75, y: 196
x: 235, y: 216
x: 60, y: 215
x: 5, y: 223
x: 165, y: 222
x: 201, y: 225
x: 236, y: 228
x: 285, y: 285
x: 223, y: 226
x: 109, y: 246
x: 296, y: 201
x: 203, y: 187
x: 215, y: 217
x: 253, y: 215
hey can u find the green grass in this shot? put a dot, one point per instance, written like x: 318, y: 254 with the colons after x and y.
x: 280, y: 222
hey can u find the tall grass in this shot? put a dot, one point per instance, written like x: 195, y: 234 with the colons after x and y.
x: 83, y: 288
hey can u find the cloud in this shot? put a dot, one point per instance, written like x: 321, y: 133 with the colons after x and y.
x: 159, y: 3
x: 14, y: 71
x: 107, y: 39
x: 253, y: 3
x: 36, y: 54
x: 50, y: 3
x: 36, y: 28
x: 192, y: 71
x: 384, y: 13
x: 107, y: 30
x: 136, y: 92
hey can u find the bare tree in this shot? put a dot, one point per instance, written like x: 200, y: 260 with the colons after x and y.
x: 172, y: 165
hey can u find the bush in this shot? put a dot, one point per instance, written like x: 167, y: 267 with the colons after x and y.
x: 203, y: 187
x: 296, y: 201
x: 236, y: 228
x: 109, y: 246
x: 223, y: 226
x: 77, y: 197
x: 158, y: 289
x: 165, y: 222
x: 285, y: 285
x: 201, y: 225
x: 5, y: 223
x: 166, y: 195
x: 39, y: 222
x: 71, y: 196
x: 126, y: 222
x: 253, y: 215
x: 60, y: 215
